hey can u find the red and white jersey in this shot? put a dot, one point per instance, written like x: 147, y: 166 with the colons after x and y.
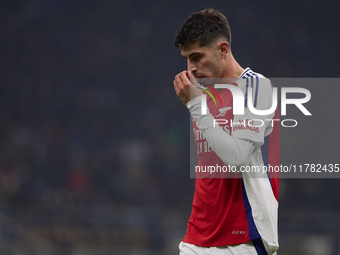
x: 230, y: 211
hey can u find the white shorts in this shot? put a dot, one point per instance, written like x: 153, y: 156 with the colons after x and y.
x: 240, y: 249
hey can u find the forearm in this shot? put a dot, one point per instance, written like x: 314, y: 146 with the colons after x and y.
x: 230, y: 150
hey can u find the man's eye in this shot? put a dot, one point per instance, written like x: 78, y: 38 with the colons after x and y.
x: 196, y: 58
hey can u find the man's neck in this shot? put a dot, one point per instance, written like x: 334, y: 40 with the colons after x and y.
x: 233, y: 70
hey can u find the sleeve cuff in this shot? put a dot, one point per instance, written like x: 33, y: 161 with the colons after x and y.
x: 194, y: 102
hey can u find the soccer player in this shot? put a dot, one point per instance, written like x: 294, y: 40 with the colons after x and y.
x: 229, y: 215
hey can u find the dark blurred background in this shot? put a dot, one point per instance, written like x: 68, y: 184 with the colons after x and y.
x: 94, y: 142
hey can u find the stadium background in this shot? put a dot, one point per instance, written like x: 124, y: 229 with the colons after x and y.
x: 94, y: 143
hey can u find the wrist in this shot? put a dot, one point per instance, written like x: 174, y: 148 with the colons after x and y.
x: 194, y: 103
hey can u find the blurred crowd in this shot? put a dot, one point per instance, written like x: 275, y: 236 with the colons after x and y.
x: 95, y: 143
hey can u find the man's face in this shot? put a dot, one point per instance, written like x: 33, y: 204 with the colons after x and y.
x: 204, y: 62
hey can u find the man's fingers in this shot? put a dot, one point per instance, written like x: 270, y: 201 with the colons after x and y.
x: 176, y: 86
x: 184, y: 84
x: 183, y: 76
x: 181, y: 82
x: 191, y: 76
x: 179, y: 85
x: 192, y: 79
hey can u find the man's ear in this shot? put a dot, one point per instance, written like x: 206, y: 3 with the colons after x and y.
x: 224, y: 48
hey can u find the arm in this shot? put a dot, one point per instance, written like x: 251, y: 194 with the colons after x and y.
x: 230, y: 150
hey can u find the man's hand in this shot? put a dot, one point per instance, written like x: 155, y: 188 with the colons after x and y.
x: 185, y: 85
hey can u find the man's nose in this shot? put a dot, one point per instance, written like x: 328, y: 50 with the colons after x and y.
x: 191, y: 67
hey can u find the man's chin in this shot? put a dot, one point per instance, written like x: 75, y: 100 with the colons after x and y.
x: 212, y: 81
x: 208, y: 81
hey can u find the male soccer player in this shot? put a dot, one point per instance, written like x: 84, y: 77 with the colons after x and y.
x: 229, y: 215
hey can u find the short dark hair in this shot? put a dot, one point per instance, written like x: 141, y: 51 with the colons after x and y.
x: 203, y: 27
